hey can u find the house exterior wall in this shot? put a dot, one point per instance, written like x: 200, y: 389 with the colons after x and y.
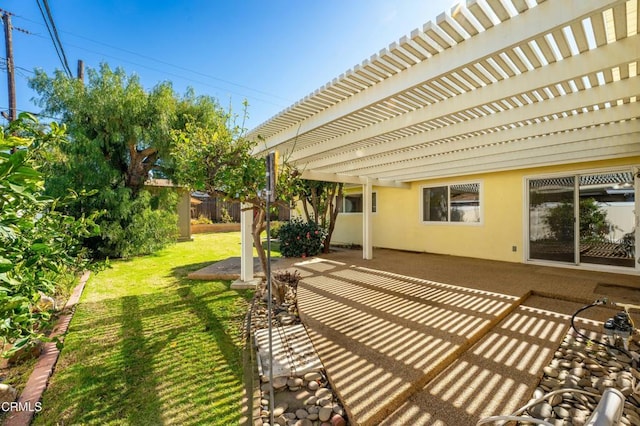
x: 397, y: 224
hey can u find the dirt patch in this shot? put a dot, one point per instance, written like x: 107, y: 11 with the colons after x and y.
x: 617, y: 290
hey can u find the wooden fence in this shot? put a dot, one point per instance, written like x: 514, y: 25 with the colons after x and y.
x: 219, y: 211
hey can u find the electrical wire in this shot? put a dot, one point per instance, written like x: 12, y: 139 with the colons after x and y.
x: 53, y: 34
x: 516, y: 415
x: 3, y: 66
x: 589, y: 339
x: 37, y: 114
x: 143, y: 56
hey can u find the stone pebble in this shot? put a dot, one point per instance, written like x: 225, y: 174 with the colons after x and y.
x: 8, y: 393
x: 322, y: 407
x: 585, y: 367
x: 319, y: 408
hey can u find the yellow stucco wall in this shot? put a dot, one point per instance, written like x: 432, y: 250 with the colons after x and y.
x: 397, y: 223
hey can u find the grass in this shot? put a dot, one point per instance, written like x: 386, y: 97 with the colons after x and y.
x: 148, y: 346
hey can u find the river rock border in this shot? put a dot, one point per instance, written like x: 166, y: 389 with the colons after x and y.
x: 300, y: 400
x: 582, y: 365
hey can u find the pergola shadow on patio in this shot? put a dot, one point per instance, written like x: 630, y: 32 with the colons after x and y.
x: 414, y: 338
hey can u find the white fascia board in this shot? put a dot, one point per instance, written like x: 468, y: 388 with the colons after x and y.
x: 352, y: 179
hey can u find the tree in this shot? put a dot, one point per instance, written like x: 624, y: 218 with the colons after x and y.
x: 39, y: 245
x: 213, y: 155
x: 119, y: 134
x: 129, y: 125
x: 593, y: 223
x: 324, y: 199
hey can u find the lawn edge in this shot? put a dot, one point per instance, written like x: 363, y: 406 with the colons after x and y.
x: 39, y: 377
x: 251, y: 395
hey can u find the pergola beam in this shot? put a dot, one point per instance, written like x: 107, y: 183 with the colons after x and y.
x: 606, y: 57
x: 334, y: 177
x: 396, y: 151
x: 605, y: 148
x: 508, y: 34
x: 553, y: 149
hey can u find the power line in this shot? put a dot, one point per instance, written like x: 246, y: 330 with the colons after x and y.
x: 53, y: 34
x: 183, y: 77
x: 140, y: 55
x: 4, y: 64
x: 37, y: 114
x: 13, y: 27
x: 160, y: 61
x: 165, y: 72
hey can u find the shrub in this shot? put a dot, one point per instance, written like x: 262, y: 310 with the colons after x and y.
x: 594, y: 226
x: 201, y: 220
x: 39, y: 245
x: 301, y: 239
x: 274, y: 229
x: 225, y: 217
x: 131, y: 223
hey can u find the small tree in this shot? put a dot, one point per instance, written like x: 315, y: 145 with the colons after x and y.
x: 113, y: 112
x: 594, y: 226
x: 324, y: 199
x: 213, y: 155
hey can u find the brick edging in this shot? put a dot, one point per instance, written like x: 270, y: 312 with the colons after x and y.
x: 39, y: 378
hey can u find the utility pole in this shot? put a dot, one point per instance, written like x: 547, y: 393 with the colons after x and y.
x: 80, y: 70
x: 11, y: 81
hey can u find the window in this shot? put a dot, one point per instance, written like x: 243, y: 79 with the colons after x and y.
x: 352, y: 203
x: 451, y: 203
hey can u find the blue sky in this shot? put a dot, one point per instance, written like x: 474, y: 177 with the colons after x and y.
x: 271, y: 53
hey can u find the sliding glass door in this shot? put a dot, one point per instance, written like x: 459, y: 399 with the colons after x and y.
x: 583, y: 219
x: 607, y: 221
x: 551, y: 219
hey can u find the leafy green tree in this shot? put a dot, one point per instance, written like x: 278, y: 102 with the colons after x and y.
x: 213, y: 155
x: 39, y: 245
x: 119, y: 134
x: 594, y: 226
x: 129, y: 125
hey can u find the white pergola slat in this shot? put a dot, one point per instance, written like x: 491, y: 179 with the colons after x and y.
x: 490, y: 85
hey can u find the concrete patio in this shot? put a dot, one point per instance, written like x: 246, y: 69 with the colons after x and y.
x: 414, y: 338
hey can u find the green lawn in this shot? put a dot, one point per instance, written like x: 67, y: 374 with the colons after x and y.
x: 147, y: 346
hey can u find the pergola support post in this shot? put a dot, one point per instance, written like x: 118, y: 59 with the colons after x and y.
x: 246, y: 251
x: 367, y: 228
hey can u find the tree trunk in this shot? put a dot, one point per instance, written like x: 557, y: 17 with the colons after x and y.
x: 140, y: 163
x: 306, y: 208
x: 314, y: 203
x: 333, y: 212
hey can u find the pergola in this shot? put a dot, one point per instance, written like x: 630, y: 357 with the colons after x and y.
x: 492, y: 85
